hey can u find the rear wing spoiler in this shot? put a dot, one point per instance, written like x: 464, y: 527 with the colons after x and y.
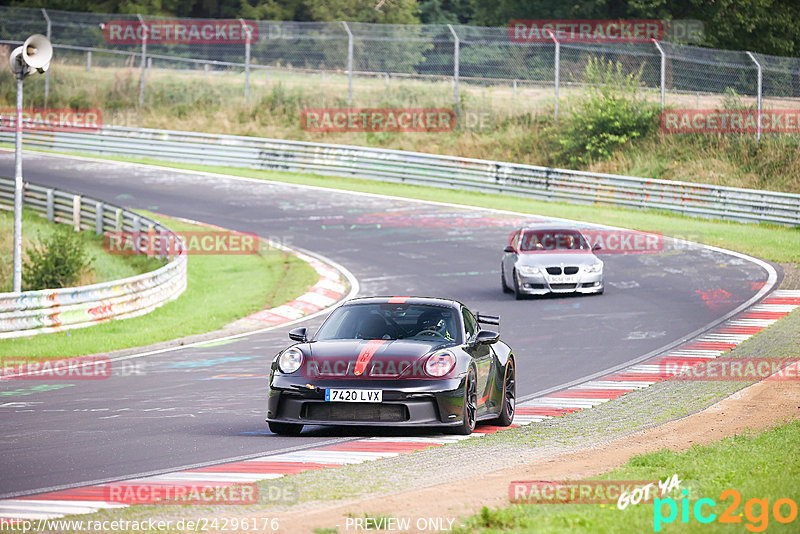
x: 488, y: 319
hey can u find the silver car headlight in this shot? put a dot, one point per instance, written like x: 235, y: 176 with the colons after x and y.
x: 290, y: 360
x: 528, y: 270
x: 594, y: 268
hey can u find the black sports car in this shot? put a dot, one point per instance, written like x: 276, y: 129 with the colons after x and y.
x: 394, y: 361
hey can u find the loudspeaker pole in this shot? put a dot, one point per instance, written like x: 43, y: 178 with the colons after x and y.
x: 18, y: 186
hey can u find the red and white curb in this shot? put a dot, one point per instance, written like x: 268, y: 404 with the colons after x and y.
x: 710, y: 345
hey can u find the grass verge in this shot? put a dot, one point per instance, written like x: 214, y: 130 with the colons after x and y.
x: 220, y: 290
x: 756, y: 466
x: 104, y: 266
x: 772, y: 242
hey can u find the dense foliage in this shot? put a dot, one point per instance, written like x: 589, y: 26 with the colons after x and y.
x: 766, y: 26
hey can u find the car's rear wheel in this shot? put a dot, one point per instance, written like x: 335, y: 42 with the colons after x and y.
x: 470, y: 412
x: 506, y: 289
x: 285, y: 429
x: 509, y: 402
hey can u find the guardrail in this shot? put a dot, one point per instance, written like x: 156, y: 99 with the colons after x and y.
x: 51, y: 310
x: 702, y: 200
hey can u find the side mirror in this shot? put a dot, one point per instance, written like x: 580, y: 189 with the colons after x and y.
x: 298, y: 334
x: 487, y: 337
x: 597, y: 247
x: 510, y: 250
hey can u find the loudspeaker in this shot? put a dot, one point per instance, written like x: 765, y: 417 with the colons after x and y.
x: 37, y: 52
x: 15, y: 60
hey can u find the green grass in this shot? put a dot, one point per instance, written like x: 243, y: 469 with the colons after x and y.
x: 104, y: 266
x: 758, y: 466
x: 220, y: 289
x: 770, y: 242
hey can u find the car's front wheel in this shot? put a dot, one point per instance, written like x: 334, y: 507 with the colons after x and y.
x: 517, y: 293
x: 506, y: 289
x: 285, y: 429
x: 509, y: 396
x: 470, y: 410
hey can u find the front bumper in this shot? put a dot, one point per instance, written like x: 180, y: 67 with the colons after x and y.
x: 406, y: 403
x: 542, y: 284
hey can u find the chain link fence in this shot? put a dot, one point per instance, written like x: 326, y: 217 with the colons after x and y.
x: 357, y: 63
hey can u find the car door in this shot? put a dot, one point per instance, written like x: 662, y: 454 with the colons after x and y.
x: 483, y: 357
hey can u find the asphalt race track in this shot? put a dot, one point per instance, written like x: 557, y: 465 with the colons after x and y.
x: 178, y: 408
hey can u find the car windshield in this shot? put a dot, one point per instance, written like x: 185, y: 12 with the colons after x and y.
x: 422, y: 322
x: 548, y: 240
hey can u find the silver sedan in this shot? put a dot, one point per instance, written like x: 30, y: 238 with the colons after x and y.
x: 540, y: 261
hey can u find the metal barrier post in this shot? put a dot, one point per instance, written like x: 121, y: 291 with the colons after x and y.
x: 98, y: 217
x: 88, y: 61
x: 47, y: 73
x: 556, y: 74
x: 456, y: 49
x: 144, y: 60
x: 50, y: 205
x: 758, y: 98
x: 663, y: 72
x: 349, y: 63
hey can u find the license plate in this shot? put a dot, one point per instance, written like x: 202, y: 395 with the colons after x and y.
x: 353, y: 395
x: 562, y: 279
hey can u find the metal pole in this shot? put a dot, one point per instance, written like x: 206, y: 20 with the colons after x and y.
x: 246, y: 30
x: 349, y: 63
x: 18, y: 188
x: 556, y: 74
x: 88, y: 60
x: 663, y: 72
x: 144, y: 61
x: 758, y: 98
x: 456, y: 50
x: 47, y: 73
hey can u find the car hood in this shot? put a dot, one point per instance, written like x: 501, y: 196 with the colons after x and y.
x: 368, y: 359
x: 547, y: 259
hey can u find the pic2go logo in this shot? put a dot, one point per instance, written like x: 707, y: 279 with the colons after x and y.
x: 757, y: 511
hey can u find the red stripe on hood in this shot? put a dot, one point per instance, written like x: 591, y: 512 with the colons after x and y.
x: 366, y: 355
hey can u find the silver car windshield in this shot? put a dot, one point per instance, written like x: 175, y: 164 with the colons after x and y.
x: 549, y: 240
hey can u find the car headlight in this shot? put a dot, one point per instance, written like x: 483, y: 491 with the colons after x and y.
x: 290, y: 360
x: 594, y: 268
x: 440, y: 363
x: 527, y: 270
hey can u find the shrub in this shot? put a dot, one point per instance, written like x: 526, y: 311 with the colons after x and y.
x: 611, y: 113
x: 57, y: 260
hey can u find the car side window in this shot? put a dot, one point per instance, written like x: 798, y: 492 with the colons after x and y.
x: 470, y: 324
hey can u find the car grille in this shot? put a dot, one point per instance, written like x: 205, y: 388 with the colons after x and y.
x: 554, y: 270
x: 563, y: 286
x: 570, y: 270
x: 354, y: 411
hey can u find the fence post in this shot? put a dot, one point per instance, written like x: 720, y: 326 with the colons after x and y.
x: 758, y: 98
x: 76, y: 212
x: 556, y: 75
x: 349, y: 63
x: 144, y: 60
x: 47, y: 72
x: 246, y: 30
x: 88, y: 60
x: 456, y: 50
x: 663, y: 72
x: 98, y: 217
x: 50, y: 205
